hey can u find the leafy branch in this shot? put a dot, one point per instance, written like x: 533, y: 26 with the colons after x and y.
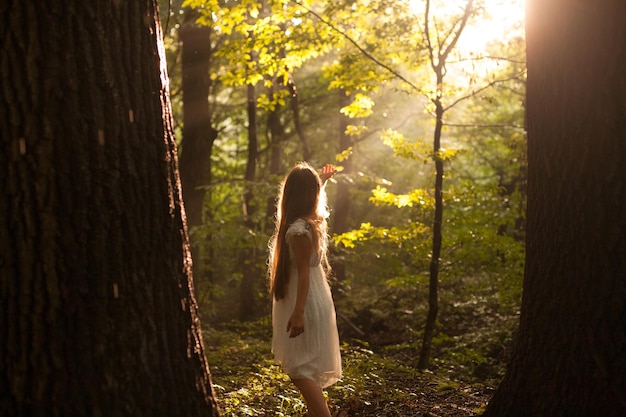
x: 357, y: 46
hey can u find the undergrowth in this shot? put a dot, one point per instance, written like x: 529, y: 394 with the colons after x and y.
x: 248, y: 383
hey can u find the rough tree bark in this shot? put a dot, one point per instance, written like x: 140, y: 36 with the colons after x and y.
x: 97, y: 311
x: 569, y: 357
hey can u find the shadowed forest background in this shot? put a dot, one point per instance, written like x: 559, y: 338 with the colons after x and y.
x: 409, y: 100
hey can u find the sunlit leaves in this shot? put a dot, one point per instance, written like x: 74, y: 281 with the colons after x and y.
x: 361, y: 106
x: 356, y: 130
x: 269, y: 103
x: 404, y: 148
x: 418, y: 197
x: 348, y: 239
x: 444, y: 154
x: 344, y: 155
x: 393, y: 235
x: 262, y: 41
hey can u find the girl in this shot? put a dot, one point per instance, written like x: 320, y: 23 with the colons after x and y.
x: 305, y: 341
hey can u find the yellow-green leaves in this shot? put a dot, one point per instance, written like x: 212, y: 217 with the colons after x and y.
x: 269, y: 103
x: 419, y: 197
x: 403, y: 148
x: 417, y: 150
x: 356, y: 130
x: 361, y: 106
x: 262, y: 41
x: 344, y: 155
x: 395, y: 235
x: 348, y: 239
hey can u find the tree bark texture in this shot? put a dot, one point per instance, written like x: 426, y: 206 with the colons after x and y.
x: 97, y: 312
x: 569, y: 358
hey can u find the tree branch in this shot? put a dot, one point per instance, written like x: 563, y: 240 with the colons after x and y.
x: 475, y: 92
x: 357, y: 46
x: 487, y: 125
x: 457, y: 35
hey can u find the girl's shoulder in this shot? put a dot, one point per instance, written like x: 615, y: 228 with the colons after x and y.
x: 298, y: 227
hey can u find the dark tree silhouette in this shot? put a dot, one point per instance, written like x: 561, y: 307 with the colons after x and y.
x: 569, y: 357
x: 97, y: 312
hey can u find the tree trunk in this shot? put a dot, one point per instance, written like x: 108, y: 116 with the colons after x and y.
x: 342, y: 203
x: 433, y: 283
x: 97, y: 311
x: 276, y: 138
x: 569, y: 357
x: 247, y: 288
x: 342, y: 196
x: 198, y: 132
x: 199, y: 136
x: 295, y: 110
x: 438, y: 55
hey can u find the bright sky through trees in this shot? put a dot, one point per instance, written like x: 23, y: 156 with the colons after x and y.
x: 502, y: 19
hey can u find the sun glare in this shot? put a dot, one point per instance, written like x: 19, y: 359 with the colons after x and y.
x: 502, y: 20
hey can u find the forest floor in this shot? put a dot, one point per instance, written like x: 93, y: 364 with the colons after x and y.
x: 375, y: 383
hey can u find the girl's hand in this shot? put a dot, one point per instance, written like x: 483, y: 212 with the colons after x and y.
x: 327, y: 172
x: 295, y: 326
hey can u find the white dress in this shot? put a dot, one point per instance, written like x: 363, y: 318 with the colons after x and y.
x: 315, y: 353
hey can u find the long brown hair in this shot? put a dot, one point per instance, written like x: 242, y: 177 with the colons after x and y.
x: 301, y: 195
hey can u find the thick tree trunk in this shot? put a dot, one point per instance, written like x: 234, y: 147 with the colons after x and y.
x: 97, y: 312
x: 570, y: 355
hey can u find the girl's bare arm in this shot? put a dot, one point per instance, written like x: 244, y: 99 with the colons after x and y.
x: 302, y: 250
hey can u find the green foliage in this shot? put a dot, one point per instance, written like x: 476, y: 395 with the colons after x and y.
x: 361, y: 106
x: 394, y: 236
x: 263, y: 41
x: 389, y: 163
x: 419, y: 198
x: 405, y: 149
x: 374, y: 383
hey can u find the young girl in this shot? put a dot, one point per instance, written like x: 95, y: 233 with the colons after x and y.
x: 305, y: 341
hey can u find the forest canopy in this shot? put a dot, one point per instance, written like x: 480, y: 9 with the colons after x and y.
x: 420, y: 106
